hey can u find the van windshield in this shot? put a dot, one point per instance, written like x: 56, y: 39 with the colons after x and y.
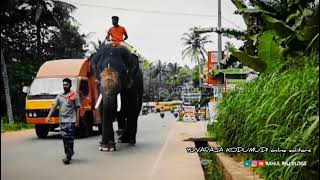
x: 50, y: 86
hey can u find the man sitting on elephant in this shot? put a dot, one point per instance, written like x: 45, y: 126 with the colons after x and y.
x: 118, y: 33
x: 118, y: 71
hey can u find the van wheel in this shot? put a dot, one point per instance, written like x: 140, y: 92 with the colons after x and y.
x: 42, y: 130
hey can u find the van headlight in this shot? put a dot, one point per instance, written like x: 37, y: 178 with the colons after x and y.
x: 34, y: 114
x: 30, y: 114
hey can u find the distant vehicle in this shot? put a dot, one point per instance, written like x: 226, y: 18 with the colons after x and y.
x: 176, y: 113
x: 189, y: 113
x: 161, y: 114
x: 167, y: 105
x: 144, y: 110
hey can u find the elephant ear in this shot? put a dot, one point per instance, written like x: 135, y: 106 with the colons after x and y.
x: 94, y: 59
x: 134, y: 64
x: 125, y: 54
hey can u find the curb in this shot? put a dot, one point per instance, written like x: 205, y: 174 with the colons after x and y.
x: 232, y: 170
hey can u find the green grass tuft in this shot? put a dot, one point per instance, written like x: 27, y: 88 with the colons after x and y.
x: 15, y: 127
x: 277, y: 110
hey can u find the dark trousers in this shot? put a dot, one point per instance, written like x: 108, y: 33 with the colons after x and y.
x: 67, y: 131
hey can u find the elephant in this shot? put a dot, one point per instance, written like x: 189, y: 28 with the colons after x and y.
x: 117, y: 71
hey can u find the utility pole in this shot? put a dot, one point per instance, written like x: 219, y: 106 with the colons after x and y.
x: 217, y: 30
x: 219, y: 35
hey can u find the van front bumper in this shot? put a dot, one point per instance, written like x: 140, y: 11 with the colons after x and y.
x: 42, y: 120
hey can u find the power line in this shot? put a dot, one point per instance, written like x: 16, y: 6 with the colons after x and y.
x: 145, y: 11
x: 231, y: 22
x: 154, y: 12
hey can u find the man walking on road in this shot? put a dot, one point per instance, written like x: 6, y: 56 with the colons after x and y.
x: 116, y: 32
x: 68, y: 103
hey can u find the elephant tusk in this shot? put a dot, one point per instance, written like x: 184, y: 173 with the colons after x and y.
x: 118, y: 102
x: 98, y: 101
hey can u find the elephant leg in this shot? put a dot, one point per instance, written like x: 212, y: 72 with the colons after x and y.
x: 121, y: 123
x: 132, y: 128
x: 108, y: 118
x: 121, y: 118
x: 133, y: 114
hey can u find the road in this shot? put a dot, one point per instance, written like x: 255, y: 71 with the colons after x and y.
x: 25, y: 157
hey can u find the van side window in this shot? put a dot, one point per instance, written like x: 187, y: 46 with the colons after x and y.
x: 84, y: 88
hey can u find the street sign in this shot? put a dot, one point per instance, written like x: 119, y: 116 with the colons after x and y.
x: 213, y: 65
x: 191, y: 96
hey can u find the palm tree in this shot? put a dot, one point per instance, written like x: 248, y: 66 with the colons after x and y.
x: 173, y: 68
x: 150, y: 72
x: 195, y: 50
x: 57, y: 11
x: 160, y: 71
x: 98, y: 45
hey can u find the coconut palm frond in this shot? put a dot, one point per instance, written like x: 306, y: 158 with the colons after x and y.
x: 70, y: 7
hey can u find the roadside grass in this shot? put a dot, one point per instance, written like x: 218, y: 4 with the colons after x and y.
x: 5, y: 127
x: 210, y: 166
x: 16, y: 126
x: 277, y: 110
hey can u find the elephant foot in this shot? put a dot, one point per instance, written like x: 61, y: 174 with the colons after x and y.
x: 123, y: 139
x: 110, y: 146
x: 120, y: 132
x: 132, y: 142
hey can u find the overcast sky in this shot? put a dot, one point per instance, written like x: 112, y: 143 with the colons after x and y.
x: 156, y: 35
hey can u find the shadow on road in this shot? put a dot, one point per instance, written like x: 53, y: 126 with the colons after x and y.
x: 80, y: 161
x: 56, y: 135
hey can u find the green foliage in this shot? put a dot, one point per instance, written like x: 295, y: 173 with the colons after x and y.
x: 195, y: 76
x: 270, y: 52
x: 33, y: 32
x: 179, y: 78
x: 232, y: 71
x: 278, y: 33
x: 69, y: 43
x: 15, y: 127
x: 253, y: 62
x: 277, y: 110
x: 211, y: 170
x: 161, y: 79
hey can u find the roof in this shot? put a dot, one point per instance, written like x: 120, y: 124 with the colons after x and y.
x: 64, y: 68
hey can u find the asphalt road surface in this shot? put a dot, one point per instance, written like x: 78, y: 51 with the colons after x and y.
x: 25, y: 157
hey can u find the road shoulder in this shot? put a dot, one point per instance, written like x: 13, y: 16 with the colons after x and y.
x: 173, y: 161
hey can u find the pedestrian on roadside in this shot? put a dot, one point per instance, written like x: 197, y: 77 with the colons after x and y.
x: 68, y: 103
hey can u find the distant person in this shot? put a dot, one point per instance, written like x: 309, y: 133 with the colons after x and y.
x: 68, y: 103
x: 118, y: 33
x: 161, y: 113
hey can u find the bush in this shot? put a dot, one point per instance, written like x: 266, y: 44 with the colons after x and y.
x: 15, y: 127
x: 277, y: 110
